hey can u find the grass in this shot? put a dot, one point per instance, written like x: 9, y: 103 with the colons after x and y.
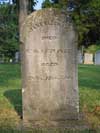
x: 10, y: 94
x: 47, y: 131
x: 89, y: 85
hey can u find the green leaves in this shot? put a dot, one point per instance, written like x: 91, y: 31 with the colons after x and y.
x: 86, y: 16
x: 46, y: 4
x: 8, y: 30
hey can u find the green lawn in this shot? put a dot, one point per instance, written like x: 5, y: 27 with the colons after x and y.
x: 10, y: 92
x: 89, y: 86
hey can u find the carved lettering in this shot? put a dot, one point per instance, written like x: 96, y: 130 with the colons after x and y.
x: 35, y: 78
x: 58, y: 51
x: 49, y: 37
x: 49, y: 64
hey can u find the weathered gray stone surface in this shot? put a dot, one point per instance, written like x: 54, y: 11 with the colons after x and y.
x: 88, y: 58
x: 80, y: 57
x: 49, y: 67
x: 97, y: 57
x: 17, y: 57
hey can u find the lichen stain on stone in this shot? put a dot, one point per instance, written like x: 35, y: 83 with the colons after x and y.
x: 41, y: 17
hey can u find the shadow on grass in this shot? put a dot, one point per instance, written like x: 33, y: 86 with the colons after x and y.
x: 90, y: 84
x: 15, y: 98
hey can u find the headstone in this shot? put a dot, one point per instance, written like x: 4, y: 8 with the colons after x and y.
x: 80, y: 57
x: 1, y: 58
x: 17, y: 57
x: 88, y: 58
x: 49, y: 67
x: 97, y: 57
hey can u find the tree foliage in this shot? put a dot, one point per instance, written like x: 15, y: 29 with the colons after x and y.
x: 87, y: 19
x: 86, y: 15
x: 9, y: 30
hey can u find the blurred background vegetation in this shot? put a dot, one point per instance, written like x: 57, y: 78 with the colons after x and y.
x: 86, y: 15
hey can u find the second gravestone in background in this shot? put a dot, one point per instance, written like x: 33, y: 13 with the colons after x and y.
x: 88, y: 58
x: 49, y: 67
x: 97, y: 57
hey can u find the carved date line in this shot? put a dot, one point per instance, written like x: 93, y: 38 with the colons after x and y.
x: 49, y: 64
x: 49, y: 37
x: 58, y: 51
x: 32, y: 78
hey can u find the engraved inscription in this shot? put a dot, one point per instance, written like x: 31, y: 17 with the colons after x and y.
x: 58, y: 51
x: 49, y: 37
x: 49, y: 64
x: 36, y: 77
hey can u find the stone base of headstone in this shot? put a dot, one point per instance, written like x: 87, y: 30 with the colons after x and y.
x: 51, y: 119
x: 78, y: 124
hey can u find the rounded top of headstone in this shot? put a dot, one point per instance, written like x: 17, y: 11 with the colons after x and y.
x: 48, y: 16
x: 45, y: 14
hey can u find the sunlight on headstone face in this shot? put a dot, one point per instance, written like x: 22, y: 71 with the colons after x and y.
x: 50, y: 89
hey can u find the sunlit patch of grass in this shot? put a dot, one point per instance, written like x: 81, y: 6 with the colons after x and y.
x: 89, y: 97
x: 89, y: 84
x: 9, y: 118
x: 11, y: 99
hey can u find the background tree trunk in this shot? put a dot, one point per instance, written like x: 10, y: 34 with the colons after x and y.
x: 23, y: 11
